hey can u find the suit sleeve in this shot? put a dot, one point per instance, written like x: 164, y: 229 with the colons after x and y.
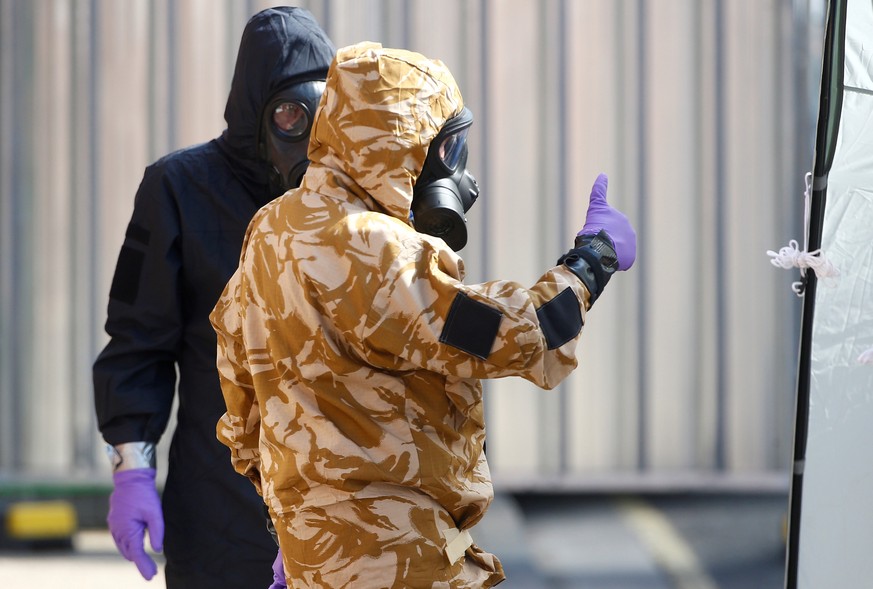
x: 135, y: 374
x: 422, y: 315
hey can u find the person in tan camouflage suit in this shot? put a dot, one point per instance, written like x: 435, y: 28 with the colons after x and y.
x: 350, y: 350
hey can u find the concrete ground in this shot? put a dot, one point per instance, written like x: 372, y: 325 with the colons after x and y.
x: 696, y: 541
x: 693, y: 541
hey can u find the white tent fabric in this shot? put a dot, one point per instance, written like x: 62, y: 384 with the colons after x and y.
x: 836, y: 519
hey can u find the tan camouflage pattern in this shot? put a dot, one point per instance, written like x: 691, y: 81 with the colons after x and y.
x: 364, y: 433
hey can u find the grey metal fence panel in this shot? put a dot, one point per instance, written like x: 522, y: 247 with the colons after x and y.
x: 693, y: 108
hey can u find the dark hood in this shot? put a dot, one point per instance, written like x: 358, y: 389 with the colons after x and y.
x: 279, y: 47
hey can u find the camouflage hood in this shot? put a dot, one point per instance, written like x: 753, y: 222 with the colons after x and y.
x: 380, y: 111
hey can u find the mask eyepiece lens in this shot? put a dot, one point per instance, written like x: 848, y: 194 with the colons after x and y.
x: 290, y: 119
x: 451, y: 148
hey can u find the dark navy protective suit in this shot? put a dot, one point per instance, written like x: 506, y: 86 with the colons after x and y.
x: 181, y: 246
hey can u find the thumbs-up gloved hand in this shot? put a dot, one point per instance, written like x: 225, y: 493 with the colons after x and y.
x: 602, y: 217
x: 607, y: 242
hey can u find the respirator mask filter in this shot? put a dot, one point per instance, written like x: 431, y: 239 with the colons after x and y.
x: 445, y: 190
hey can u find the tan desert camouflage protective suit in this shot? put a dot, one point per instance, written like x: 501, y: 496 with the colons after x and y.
x: 351, y: 404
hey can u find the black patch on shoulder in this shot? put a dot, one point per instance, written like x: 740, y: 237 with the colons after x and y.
x: 560, y: 319
x: 471, y: 326
x: 138, y: 233
x: 125, y: 283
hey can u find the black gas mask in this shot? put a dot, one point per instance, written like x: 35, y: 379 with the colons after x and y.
x: 285, y: 127
x: 445, y: 190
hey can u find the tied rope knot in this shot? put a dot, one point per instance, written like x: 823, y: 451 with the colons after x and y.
x: 791, y: 256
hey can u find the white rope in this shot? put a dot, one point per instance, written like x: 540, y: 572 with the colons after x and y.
x: 791, y: 256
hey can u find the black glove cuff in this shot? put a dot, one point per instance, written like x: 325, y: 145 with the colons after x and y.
x: 593, y: 260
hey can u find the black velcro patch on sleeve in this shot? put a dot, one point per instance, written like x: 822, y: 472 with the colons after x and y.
x: 560, y: 319
x: 125, y: 283
x: 138, y: 233
x: 471, y: 326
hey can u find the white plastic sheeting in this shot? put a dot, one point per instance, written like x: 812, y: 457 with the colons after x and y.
x: 836, y: 523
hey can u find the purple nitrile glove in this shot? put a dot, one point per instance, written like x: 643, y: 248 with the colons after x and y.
x: 134, y: 506
x: 278, y: 573
x: 601, y: 216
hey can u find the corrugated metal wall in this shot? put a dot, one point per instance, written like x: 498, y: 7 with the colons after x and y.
x: 699, y: 110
